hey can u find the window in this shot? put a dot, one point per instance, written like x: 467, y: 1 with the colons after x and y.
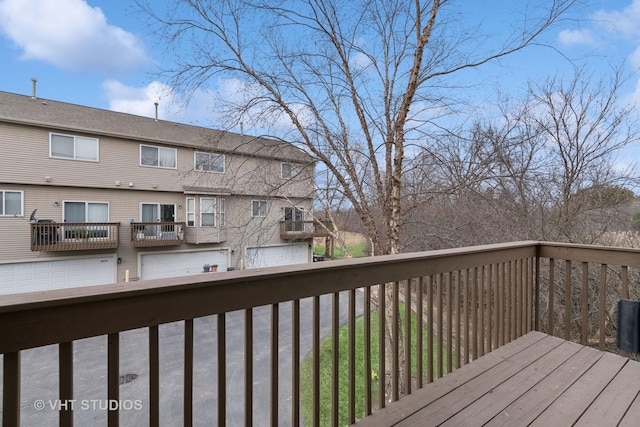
x: 223, y: 214
x: 209, y: 162
x: 207, y: 212
x: 289, y: 170
x: 258, y: 208
x: 158, y: 157
x: 11, y: 203
x: 86, y: 212
x: 156, y: 212
x: 73, y: 147
x: 191, y: 212
x: 294, y: 218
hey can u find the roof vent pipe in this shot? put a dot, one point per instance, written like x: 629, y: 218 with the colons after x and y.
x: 33, y: 87
x: 156, y: 104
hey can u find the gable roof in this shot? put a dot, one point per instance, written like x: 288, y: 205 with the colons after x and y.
x: 61, y: 116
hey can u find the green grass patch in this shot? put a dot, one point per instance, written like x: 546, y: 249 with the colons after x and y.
x: 326, y: 358
x: 356, y: 251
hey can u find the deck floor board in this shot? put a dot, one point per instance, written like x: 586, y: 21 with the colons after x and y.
x: 537, y: 380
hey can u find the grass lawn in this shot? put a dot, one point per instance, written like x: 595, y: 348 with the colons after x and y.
x: 326, y: 357
x: 358, y: 250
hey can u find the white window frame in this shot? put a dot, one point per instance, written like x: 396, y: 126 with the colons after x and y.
x: 223, y: 214
x: 86, y: 207
x: 211, y: 158
x: 4, y: 203
x: 158, y: 148
x: 159, y: 205
x: 215, y: 208
x: 76, y: 139
x: 191, y: 211
x: 261, y: 203
x: 69, y: 233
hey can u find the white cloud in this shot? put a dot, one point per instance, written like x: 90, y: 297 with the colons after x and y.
x: 262, y: 116
x: 634, y: 58
x: 171, y: 106
x: 69, y: 34
x: 634, y: 97
x: 625, y: 23
x: 360, y: 60
x: 576, y: 37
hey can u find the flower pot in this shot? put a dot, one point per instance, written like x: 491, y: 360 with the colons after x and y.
x: 214, y: 268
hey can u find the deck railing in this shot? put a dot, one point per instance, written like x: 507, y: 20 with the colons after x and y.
x: 74, y: 236
x: 144, y: 234
x: 580, y: 286
x: 469, y: 301
x: 298, y: 230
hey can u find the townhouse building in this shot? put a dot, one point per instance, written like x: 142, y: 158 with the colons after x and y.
x: 90, y: 196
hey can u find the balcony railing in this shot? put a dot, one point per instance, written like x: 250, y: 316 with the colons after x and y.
x: 157, y: 233
x: 52, y: 236
x: 301, y: 230
x: 469, y: 301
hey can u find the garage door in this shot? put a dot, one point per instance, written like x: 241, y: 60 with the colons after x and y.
x: 45, y: 275
x: 175, y: 264
x: 271, y: 256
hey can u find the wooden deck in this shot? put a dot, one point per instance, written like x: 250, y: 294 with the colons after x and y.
x: 537, y: 380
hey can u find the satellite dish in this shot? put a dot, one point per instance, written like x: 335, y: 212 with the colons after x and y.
x: 33, y: 215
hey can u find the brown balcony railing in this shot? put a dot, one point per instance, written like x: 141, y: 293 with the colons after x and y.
x: 157, y: 233
x: 469, y: 301
x: 52, y: 236
x: 300, y: 230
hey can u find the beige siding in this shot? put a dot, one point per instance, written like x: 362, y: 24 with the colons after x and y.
x: 124, y: 205
x: 26, y: 160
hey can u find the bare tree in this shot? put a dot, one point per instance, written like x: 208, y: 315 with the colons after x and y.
x: 359, y: 83
x: 584, y: 127
x: 544, y: 169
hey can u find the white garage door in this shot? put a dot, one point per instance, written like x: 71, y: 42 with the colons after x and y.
x: 45, y: 275
x: 175, y: 264
x: 271, y: 256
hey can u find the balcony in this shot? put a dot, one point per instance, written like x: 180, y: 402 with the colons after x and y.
x: 51, y: 236
x: 302, y: 230
x: 513, y: 334
x: 146, y: 234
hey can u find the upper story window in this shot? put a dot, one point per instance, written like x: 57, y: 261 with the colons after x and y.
x: 258, y: 208
x: 209, y: 162
x: 159, y: 157
x: 289, y: 170
x: 73, y: 147
x: 11, y: 203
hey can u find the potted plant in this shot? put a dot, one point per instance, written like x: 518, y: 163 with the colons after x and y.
x: 214, y: 267
x: 206, y: 268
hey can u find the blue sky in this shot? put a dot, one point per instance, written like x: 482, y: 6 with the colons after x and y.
x: 99, y: 53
